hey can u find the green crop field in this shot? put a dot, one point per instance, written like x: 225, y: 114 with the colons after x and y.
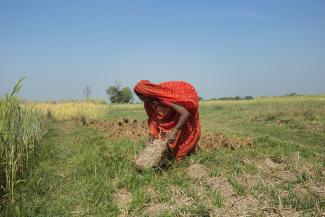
x: 84, y: 170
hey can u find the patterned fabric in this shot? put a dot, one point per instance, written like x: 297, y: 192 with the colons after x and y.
x: 163, y: 119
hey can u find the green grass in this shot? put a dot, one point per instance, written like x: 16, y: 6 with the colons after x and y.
x: 78, y: 170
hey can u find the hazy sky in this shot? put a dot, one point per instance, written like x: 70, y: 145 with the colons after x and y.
x: 224, y: 48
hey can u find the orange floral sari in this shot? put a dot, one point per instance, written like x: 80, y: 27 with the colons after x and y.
x: 162, y: 119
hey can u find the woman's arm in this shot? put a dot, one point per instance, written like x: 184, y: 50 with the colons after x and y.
x: 184, y: 114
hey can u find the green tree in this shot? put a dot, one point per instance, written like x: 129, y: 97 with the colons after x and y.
x: 116, y: 94
x: 126, y: 95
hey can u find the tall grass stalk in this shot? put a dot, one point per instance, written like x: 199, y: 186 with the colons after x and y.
x: 20, y: 130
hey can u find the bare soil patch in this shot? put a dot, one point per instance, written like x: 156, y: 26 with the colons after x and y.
x: 197, y: 171
x: 317, y: 188
x: 246, y: 205
x: 220, y: 184
x: 253, y: 180
x: 241, y: 206
x: 152, y: 193
x: 286, y: 176
x: 289, y: 213
x: 223, y: 212
x: 156, y: 209
x: 210, y: 141
x: 269, y: 165
x: 130, y: 129
x: 123, y: 199
x: 301, y: 190
x: 180, y: 198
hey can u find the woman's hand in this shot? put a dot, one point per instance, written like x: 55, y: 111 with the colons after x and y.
x: 171, y: 137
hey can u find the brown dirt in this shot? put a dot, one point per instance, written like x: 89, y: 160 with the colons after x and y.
x: 64, y: 173
x: 130, y: 129
x: 210, y: 141
x: 271, y: 181
x: 138, y: 130
x: 317, y: 188
x: 246, y: 162
x: 283, y: 121
x: 289, y: 213
x: 246, y: 205
x: 241, y: 206
x: 286, y: 176
x: 253, y: 180
x: 123, y: 198
x: 268, y: 165
x: 152, y: 193
x: 156, y: 209
x: 201, y: 194
x: 223, y: 212
x: 300, y: 190
x: 196, y: 171
x: 152, y: 155
x: 220, y: 184
x: 179, y: 199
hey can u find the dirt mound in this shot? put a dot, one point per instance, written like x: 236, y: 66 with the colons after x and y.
x: 152, y: 155
x: 138, y: 130
x: 130, y: 129
x: 210, y: 141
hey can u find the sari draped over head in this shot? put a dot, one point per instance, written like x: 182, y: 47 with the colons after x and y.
x: 163, y: 119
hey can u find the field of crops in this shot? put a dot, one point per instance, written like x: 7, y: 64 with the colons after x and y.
x: 262, y: 157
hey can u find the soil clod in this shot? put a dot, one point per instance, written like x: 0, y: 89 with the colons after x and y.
x: 152, y: 155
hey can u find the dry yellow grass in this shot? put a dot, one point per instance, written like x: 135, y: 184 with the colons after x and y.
x: 67, y: 110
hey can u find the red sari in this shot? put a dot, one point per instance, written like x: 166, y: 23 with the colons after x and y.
x: 163, y: 119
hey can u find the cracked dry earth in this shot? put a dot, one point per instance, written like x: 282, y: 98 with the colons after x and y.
x: 272, y: 175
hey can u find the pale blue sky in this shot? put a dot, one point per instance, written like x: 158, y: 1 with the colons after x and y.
x: 225, y: 48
